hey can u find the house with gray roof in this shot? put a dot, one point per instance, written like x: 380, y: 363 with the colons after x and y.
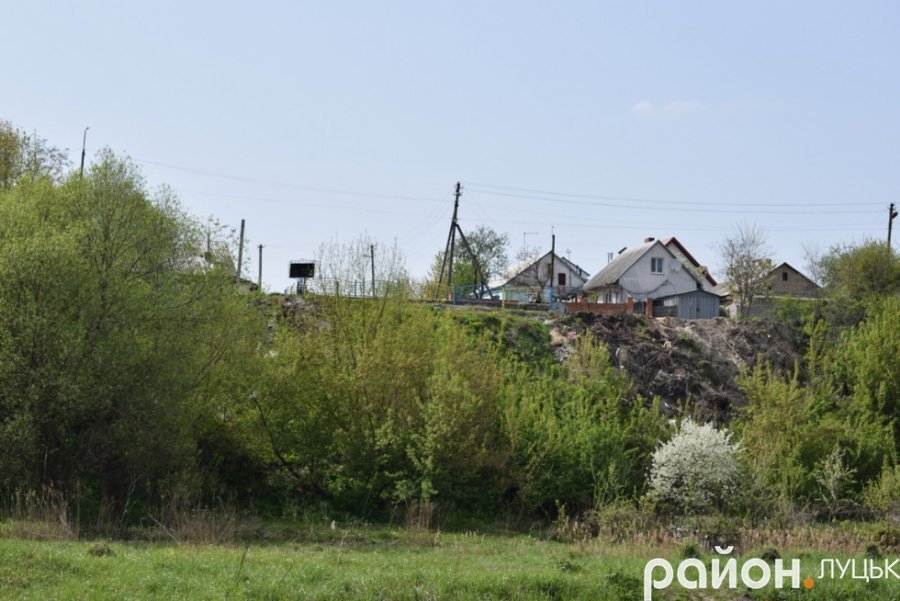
x: 650, y: 270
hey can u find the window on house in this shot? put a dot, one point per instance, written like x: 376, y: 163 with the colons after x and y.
x: 560, y: 279
x: 656, y: 265
x: 783, y: 276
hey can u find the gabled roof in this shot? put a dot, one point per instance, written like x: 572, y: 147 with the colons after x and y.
x: 610, y: 274
x: 724, y: 289
x: 795, y: 270
x: 519, y: 267
x: 574, y: 267
x: 703, y: 269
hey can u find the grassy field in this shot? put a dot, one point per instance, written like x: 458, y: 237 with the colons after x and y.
x: 387, y: 565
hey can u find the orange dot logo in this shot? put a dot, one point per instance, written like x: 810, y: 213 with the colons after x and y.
x: 809, y: 583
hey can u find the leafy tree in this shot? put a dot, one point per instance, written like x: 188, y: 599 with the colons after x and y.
x: 112, y: 323
x: 865, y: 365
x: 488, y: 246
x: 747, y: 265
x: 24, y: 155
x: 857, y: 272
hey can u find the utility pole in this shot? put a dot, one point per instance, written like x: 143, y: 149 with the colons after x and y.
x: 552, y: 263
x: 892, y: 214
x: 372, y: 257
x: 453, y: 228
x: 83, y: 145
x: 450, y: 247
x: 237, y: 278
x: 259, y: 281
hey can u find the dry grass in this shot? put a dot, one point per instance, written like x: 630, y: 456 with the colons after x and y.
x: 52, y: 515
x: 203, y: 525
x: 44, y: 515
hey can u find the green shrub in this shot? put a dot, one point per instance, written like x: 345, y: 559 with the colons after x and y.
x: 576, y: 434
x: 882, y: 496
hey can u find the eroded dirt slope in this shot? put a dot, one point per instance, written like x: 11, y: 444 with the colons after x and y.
x: 677, y: 359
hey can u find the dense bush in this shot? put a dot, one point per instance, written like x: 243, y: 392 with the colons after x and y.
x: 393, y: 403
x: 576, y: 434
x: 788, y: 431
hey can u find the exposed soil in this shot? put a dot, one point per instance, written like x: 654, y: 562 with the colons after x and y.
x: 682, y: 360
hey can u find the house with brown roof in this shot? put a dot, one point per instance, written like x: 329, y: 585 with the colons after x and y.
x: 783, y: 281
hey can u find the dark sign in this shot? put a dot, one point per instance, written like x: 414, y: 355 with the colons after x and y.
x: 302, y: 270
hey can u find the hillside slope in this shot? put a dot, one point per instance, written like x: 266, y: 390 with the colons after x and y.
x: 677, y: 359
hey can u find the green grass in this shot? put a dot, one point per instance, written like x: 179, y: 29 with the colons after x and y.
x: 421, y: 567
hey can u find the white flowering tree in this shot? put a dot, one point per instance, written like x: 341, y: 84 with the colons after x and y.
x: 696, y: 469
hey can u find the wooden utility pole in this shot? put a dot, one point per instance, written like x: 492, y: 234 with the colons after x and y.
x: 237, y: 278
x: 552, y: 263
x: 892, y: 214
x: 450, y: 250
x: 259, y: 280
x: 83, y: 144
x: 450, y: 247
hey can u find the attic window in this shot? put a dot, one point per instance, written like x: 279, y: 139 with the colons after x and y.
x: 656, y: 265
x: 560, y: 279
x: 783, y: 276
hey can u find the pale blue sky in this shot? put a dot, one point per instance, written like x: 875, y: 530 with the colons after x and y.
x: 782, y: 113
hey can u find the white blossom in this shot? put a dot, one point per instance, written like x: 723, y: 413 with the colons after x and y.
x: 696, y: 468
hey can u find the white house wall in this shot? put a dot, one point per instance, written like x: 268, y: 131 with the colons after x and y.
x: 537, y: 275
x: 639, y: 283
x: 707, y: 286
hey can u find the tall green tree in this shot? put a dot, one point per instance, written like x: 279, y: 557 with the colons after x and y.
x: 489, y: 248
x: 28, y: 156
x: 860, y: 271
x: 111, y: 322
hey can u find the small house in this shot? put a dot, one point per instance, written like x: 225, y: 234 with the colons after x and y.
x: 537, y: 279
x: 650, y: 270
x: 781, y: 282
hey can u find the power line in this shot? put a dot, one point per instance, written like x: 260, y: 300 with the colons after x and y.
x: 290, y: 185
x: 678, y: 209
x: 635, y: 199
x: 297, y: 203
x: 668, y: 226
x: 422, y: 228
